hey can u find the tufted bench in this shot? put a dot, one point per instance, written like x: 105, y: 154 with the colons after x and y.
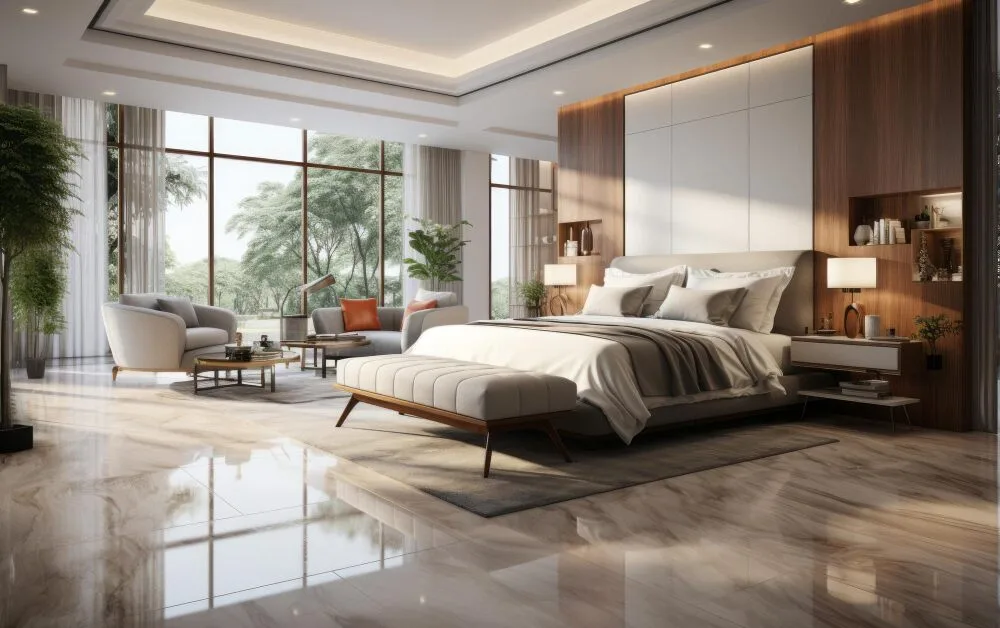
x: 477, y: 397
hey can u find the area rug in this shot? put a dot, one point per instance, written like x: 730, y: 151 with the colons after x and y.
x: 527, y: 472
x: 291, y: 387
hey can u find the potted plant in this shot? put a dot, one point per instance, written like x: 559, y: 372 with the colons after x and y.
x: 440, y: 246
x: 36, y: 161
x: 922, y: 220
x: 36, y: 295
x: 934, y: 328
x: 533, y: 293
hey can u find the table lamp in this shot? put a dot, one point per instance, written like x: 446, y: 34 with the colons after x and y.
x: 559, y: 276
x: 851, y: 275
x: 296, y: 326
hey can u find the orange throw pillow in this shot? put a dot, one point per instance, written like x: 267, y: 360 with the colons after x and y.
x: 416, y: 306
x: 360, y: 315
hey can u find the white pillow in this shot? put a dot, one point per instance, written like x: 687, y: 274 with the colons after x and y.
x: 615, y: 301
x: 660, y: 280
x: 444, y: 299
x: 764, y: 289
x: 714, y: 307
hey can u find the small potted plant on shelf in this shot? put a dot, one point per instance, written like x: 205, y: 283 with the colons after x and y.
x: 36, y: 295
x: 934, y: 328
x: 922, y: 220
x: 533, y: 293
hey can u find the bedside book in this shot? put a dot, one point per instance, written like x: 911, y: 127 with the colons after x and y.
x: 867, y: 394
x: 868, y: 385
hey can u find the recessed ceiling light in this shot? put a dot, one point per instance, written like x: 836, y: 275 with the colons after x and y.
x: 422, y: 135
x: 295, y: 119
x: 29, y: 11
x: 705, y: 46
x: 109, y: 93
x: 558, y: 92
x: 852, y: 1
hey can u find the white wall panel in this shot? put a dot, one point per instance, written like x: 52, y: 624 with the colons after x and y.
x: 781, y: 176
x: 648, y: 192
x: 781, y: 77
x: 648, y: 110
x: 710, y: 95
x: 711, y: 190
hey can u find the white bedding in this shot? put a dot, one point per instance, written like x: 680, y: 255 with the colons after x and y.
x: 602, y: 369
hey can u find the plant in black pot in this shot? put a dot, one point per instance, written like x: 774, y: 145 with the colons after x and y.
x: 37, y: 162
x: 932, y: 329
x: 533, y: 293
x: 36, y: 294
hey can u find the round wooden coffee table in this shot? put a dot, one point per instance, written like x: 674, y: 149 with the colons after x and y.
x: 215, y: 362
x: 322, y: 344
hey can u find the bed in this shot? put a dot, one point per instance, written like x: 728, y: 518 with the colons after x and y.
x: 614, y: 388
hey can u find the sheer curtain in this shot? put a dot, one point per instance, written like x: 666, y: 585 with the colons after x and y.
x: 143, y: 198
x: 532, y: 227
x: 84, y: 121
x: 432, y: 189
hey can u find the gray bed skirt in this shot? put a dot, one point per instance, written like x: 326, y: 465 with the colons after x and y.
x: 589, y: 421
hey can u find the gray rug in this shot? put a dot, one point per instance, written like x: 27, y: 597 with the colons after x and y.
x: 527, y: 472
x: 291, y: 387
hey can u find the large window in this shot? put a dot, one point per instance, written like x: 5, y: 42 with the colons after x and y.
x: 255, y: 210
x: 522, y: 229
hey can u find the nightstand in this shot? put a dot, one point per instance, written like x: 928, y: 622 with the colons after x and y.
x: 856, y: 355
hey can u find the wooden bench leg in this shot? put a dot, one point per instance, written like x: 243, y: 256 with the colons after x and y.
x: 489, y: 456
x: 353, y: 401
x: 556, y: 440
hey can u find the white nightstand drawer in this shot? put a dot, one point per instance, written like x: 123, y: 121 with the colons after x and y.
x: 847, y: 355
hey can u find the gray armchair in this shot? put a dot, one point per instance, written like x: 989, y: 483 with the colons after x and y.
x: 395, y: 336
x: 143, y: 338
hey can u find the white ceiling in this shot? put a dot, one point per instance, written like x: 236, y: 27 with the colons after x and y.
x: 243, y: 78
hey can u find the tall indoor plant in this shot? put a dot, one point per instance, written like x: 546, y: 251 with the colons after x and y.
x: 36, y: 162
x: 36, y: 295
x: 440, y: 246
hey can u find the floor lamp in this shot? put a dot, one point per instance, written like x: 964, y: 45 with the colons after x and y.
x: 559, y: 276
x: 296, y: 326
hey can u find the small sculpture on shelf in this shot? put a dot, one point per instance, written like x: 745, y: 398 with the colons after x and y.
x: 863, y: 235
x: 925, y: 268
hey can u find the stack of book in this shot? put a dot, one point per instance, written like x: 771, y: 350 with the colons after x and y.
x: 267, y: 354
x: 869, y: 388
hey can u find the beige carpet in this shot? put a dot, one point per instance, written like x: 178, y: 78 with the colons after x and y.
x: 291, y: 387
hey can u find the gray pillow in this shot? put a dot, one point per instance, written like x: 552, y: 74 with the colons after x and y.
x: 615, y: 300
x: 444, y: 299
x: 180, y: 306
x: 714, y: 307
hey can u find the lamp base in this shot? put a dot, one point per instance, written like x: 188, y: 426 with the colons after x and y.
x: 854, y: 317
x: 558, y: 304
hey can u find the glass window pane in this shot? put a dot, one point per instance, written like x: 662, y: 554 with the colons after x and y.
x: 339, y: 150
x: 393, y: 156
x: 235, y: 137
x: 395, y: 220
x: 185, y: 131
x: 186, y: 223
x: 343, y: 234
x: 258, y: 242
x: 499, y: 253
x: 500, y: 169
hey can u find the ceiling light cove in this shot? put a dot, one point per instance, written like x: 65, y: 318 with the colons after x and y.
x: 203, y: 14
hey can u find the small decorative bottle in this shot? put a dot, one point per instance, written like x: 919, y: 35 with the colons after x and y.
x: 586, y: 240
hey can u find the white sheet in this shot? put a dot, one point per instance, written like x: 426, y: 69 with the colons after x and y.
x: 602, y: 369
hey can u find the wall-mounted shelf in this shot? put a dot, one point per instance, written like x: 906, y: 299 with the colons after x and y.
x: 935, y: 248
x: 903, y: 207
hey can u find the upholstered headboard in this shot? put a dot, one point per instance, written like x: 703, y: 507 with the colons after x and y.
x: 795, y: 312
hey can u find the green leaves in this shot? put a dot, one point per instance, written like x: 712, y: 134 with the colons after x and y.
x: 37, y: 288
x: 532, y: 291
x: 934, y: 328
x: 440, y: 245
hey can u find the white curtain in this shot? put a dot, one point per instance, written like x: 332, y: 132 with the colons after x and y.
x: 142, y: 197
x: 432, y: 189
x: 84, y: 336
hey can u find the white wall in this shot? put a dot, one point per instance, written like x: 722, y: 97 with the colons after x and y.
x: 722, y: 162
x: 476, y: 255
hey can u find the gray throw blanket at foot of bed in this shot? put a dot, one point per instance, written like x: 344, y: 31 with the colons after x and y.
x: 667, y: 363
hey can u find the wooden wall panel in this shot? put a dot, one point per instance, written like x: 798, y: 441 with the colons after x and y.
x: 592, y: 182
x: 888, y: 120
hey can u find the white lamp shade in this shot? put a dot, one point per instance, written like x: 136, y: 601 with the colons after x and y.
x: 852, y: 273
x: 560, y: 275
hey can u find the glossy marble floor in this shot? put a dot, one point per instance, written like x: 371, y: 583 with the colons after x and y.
x: 140, y: 508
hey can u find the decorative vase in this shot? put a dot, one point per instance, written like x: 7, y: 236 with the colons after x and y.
x: 586, y: 240
x: 17, y: 438
x: 922, y: 224
x: 533, y: 311
x: 873, y: 325
x: 948, y: 250
x: 862, y: 235
x: 924, y: 266
x: 935, y: 362
x: 35, y: 367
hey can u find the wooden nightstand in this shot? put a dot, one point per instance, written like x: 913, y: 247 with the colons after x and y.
x: 856, y: 355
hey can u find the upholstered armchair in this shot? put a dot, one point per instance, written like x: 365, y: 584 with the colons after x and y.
x: 395, y: 335
x: 143, y: 338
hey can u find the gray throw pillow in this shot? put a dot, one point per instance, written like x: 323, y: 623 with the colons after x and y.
x: 181, y: 307
x: 714, y: 307
x: 615, y: 300
x: 444, y: 299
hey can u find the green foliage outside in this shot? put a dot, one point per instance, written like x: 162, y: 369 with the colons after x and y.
x: 934, y: 328
x: 36, y: 164
x: 440, y: 246
x: 500, y: 298
x: 36, y: 295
